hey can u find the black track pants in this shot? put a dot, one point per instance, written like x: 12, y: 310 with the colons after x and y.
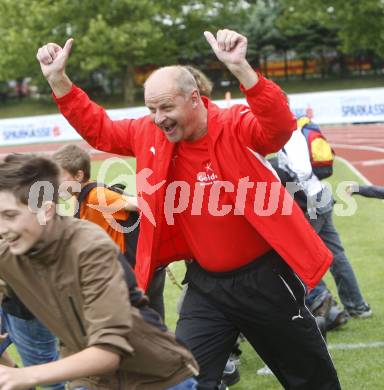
x: 263, y: 300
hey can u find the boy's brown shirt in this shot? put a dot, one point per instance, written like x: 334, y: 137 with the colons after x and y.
x: 73, y: 283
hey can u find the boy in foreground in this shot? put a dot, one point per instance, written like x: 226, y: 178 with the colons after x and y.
x: 66, y: 271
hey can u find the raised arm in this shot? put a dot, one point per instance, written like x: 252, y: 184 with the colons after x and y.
x: 85, y: 116
x: 269, y: 123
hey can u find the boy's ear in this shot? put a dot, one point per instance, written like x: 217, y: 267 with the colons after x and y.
x: 46, y: 212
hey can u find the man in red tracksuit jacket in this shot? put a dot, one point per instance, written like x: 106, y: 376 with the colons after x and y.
x: 208, y: 195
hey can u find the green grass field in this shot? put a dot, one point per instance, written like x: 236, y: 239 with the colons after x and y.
x: 362, y: 235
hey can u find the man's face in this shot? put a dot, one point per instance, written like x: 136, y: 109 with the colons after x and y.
x: 172, y: 112
x: 19, y: 226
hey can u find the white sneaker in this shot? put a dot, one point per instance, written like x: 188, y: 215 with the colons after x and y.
x: 363, y: 311
x: 264, y: 371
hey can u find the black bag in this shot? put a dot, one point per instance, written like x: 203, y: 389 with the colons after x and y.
x: 132, y: 237
x: 12, y: 305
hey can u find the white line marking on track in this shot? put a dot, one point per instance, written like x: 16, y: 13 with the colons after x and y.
x: 358, y: 147
x: 373, y: 141
x: 370, y: 163
x: 354, y: 170
x: 375, y: 344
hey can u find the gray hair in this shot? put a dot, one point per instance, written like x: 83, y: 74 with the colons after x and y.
x: 182, y: 77
x: 204, y: 84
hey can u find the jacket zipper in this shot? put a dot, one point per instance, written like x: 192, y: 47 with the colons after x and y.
x: 64, y: 317
x: 82, y: 329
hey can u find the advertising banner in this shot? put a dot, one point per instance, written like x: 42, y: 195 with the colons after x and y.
x: 330, y: 107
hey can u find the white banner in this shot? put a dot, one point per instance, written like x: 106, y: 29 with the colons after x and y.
x: 336, y: 107
x: 50, y: 128
x: 36, y: 129
x: 333, y: 107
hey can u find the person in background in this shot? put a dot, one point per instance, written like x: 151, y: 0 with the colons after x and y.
x: 295, y: 160
x: 118, y: 208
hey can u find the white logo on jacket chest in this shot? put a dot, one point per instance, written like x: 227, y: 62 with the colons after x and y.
x: 208, y: 177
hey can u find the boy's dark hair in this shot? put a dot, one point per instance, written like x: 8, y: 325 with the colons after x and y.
x: 72, y: 158
x: 19, y: 172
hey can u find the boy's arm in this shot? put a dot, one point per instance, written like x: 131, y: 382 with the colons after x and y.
x: 368, y: 191
x: 112, y: 203
x: 102, y: 282
x: 90, y: 361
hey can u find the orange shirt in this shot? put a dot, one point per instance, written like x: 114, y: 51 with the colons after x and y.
x: 105, y: 208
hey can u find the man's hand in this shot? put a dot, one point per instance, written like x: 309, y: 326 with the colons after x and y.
x: 53, y: 59
x: 230, y: 48
x: 15, y: 379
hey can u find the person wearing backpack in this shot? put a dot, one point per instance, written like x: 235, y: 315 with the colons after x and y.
x: 321, y: 154
x: 120, y: 219
x: 297, y: 159
x: 320, y: 301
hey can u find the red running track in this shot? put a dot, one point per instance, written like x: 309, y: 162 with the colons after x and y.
x: 361, y: 145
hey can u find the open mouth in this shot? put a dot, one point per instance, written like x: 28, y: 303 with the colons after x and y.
x: 13, y: 241
x: 169, y: 130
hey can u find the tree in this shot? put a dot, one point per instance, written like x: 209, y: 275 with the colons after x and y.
x: 261, y: 26
x: 310, y: 39
x: 358, y: 24
x: 113, y: 36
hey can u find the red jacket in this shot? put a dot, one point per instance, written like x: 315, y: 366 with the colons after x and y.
x: 234, y: 135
